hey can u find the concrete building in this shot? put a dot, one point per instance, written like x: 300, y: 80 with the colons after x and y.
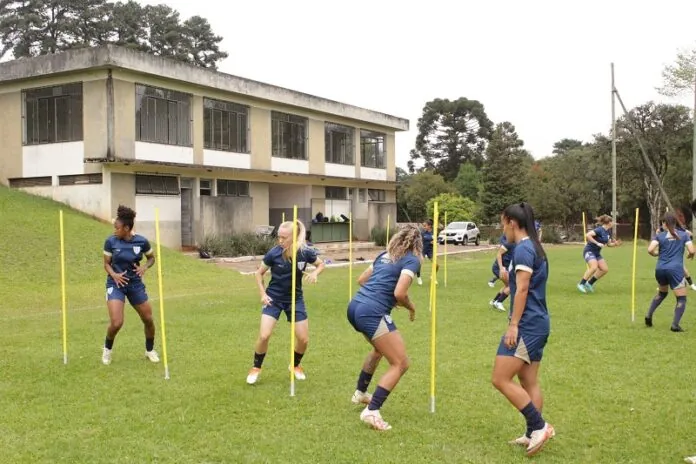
x: 215, y: 153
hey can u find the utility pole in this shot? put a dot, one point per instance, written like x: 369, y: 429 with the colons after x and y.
x: 613, y: 155
x: 693, y: 161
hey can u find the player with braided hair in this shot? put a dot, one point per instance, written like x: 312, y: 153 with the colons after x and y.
x: 123, y: 252
x: 384, y: 285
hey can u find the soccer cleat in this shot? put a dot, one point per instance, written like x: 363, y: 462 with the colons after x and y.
x: 152, y: 356
x: 492, y: 303
x: 676, y: 328
x: 521, y: 441
x: 589, y: 288
x: 690, y: 460
x: 491, y: 283
x: 499, y: 306
x: 374, y: 419
x: 539, y: 439
x: 693, y: 286
x: 582, y: 288
x: 299, y: 373
x: 253, y: 375
x: 106, y: 356
x: 420, y: 281
x: 361, y: 397
x: 648, y: 321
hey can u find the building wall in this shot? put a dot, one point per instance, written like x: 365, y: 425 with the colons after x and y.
x: 169, y: 218
x: 91, y: 199
x: 223, y: 216
x: 11, y: 135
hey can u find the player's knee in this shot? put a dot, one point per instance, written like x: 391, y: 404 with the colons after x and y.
x: 264, y: 336
x: 403, y: 364
x: 303, y: 338
x: 116, y: 324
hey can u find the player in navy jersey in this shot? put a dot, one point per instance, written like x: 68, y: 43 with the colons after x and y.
x: 500, y: 271
x: 668, y: 245
x: 123, y: 252
x: 682, y: 225
x: 597, y: 239
x: 277, y: 297
x: 427, y: 235
x: 521, y: 348
x: 384, y: 285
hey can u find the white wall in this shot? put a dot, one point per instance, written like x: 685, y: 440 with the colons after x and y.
x: 53, y: 159
x: 289, y: 165
x: 336, y: 208
x: 169, y: 207
x: 372, y: 173
x: 160, y: 152
x: 339, y: 170
x: 226, y: 159
x: 285, y: 196
x: 93, y: 199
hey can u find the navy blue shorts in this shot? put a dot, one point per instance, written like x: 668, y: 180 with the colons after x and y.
x: 590, y: 255
x: 274, y: 310
x: 134, y: 291
x: 673, y: 277
x: 529, y: 348
x: 363, y: 319
x: 428, y: 254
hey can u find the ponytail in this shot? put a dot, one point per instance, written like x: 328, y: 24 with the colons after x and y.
x: 523, y: 215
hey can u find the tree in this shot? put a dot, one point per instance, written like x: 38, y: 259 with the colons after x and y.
x: 681, y: 76
x: 201, y: 43
x: 418, y: 189
x: 505, y: 171
x: 19, y: 23
x: 468, y: 181
x: 128, y: 25
x: 88, y: 22
x: 457, y: 207
x: 451, y: 133
x: 565, y: 145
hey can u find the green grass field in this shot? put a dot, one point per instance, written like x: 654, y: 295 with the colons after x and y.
x: 615, y: 391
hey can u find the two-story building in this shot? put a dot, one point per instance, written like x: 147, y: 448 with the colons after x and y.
x: 214, y: 153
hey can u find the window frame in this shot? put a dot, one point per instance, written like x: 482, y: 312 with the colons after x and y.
x: 158, y: 190
x: 371, y: 139
x: 349, y: 150
x: 278, y: 147
x: 237, y: 183
x: 71, y: 121
x: 226, y: 110
x: 179, y: 123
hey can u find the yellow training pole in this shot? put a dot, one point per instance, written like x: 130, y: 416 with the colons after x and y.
x: 161, y: 293
x: 350, y: 256
x: 283, y: 220
x: 292, y: 310
x: 435, y: 240
x: 633, y: 279
x: 62, y: 289
x: 433, y: 314
x: 584, y: 234
x: 388, y: 221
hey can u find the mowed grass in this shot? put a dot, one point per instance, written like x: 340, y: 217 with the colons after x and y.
x: 614, y: 390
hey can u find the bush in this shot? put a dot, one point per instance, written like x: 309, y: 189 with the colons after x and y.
x: 379, y: 235
x: 550, y: 235
x: 494, y: 236
x: 234, y: 245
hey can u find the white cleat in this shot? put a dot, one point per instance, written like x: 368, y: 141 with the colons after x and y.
x: 374, y: 419
x: 693, y: 286
x: 539, y: 439
x: 361, y: 397
x: 420, y: 281
x: 152, y: 356
x: 520, y: 441
x: 491, y: 284
x: 106, y: 356
x: 253, y: 375
x: 690, y: 460
x: 299, y: 372
x: 499, y: 306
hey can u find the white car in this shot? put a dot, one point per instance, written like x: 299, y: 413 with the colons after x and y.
x: 460, y: 233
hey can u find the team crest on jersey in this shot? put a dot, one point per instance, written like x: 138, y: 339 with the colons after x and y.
x: 301, y: 265
x: 110, y: 290
x: 136, y: 249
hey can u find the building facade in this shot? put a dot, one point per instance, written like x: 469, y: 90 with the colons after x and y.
x: 214, y: 153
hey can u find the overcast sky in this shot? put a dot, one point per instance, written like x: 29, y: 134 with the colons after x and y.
x: 542, y: 65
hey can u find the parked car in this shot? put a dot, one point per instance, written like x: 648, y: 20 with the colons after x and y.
x: 460, y: 233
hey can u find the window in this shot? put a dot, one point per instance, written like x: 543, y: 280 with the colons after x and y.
x: 20, y: 182
x: 232, y: 188
x: 52, y: 114
x: 162, y: 116
x: 362, y: 195
x: 339, y: 143
x: 206, y: 187
x: 372, y: 149
x: 289, y: 134
x: 377, y: 195
x: 336, y: 193
x: 225, y: 126
x: 156, y: 185
x: 80, y: 179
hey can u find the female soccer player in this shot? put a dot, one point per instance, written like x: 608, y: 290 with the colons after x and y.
x: 427, y: 234
x: 384, y: 285
x: 596, y: 240
x: 123, y: 252
x: 521, y: 348
x: 277, y: 297
x: 500, y: 271
x: 669, y: 246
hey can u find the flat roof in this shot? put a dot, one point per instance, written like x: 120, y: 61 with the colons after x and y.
x: 112, y: 56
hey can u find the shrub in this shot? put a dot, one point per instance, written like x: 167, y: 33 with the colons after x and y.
x: 379, y: 235
x: 551, y: 235
x: 234, y: 245
x: 494, y: 236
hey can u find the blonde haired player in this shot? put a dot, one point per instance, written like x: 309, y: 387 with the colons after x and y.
x: 277, y: 297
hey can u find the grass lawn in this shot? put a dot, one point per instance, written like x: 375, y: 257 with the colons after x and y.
x: 615, y: 391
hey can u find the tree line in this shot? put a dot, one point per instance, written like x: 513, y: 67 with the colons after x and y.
x: 462, y: 158
x: 38, y: 27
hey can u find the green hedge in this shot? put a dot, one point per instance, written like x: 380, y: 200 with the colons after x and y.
x: 234, y: 245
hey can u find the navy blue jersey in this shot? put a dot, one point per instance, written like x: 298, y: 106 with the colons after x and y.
x: 280, y: 286
x: 510, y: 250
x: 537, y: 225
x: 602, y: 236
x: 127, y: 254
x: 378, y: 291
x: 535, y: 318
x: 427, y: 241
x: 671, y: 249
